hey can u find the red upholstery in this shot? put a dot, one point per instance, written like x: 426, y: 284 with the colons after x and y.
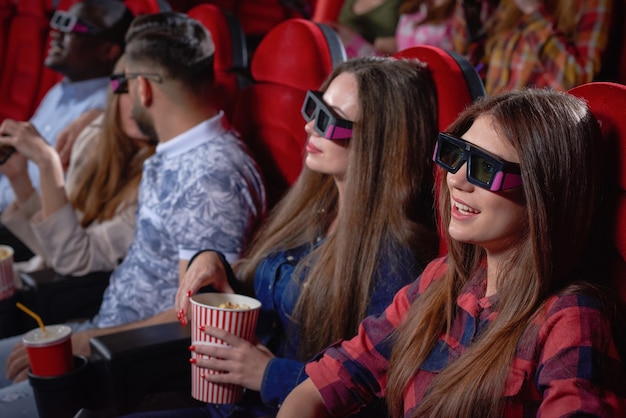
x: 326, y: 10
x: 607, y: 102
x: 7, y: 10
x: 292, y: 58
x: 140, y: 7
x: 22, y: 65
x: 622, y: 63
x: 458, y: 85
x: 258, y: 17
x: 231, y: 55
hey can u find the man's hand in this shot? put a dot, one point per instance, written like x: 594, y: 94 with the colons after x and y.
x: 80, y: 343
x: 17, y: 363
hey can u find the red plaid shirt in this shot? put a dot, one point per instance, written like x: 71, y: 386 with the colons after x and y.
x: 535, y: 54
x: 557, y: 376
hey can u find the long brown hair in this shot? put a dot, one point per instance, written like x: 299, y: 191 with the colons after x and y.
x: 557, y: 140
x: 112, y: 177
x: 388, y: 202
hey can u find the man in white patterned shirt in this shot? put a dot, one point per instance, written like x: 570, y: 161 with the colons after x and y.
x: 200, y: 190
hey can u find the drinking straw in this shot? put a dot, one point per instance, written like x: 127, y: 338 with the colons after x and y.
x: 34, y: 315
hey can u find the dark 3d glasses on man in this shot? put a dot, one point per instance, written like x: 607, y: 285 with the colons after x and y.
x: 327, y: 123
x: 68, y: 23
x: 483, y: 168
x: 119, y: 83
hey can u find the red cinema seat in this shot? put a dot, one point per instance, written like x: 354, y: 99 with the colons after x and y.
x: 292, y: 58
x: 326, y: 10
x: 458, y: 84
x: 607, y: 102
x: 7, y: 10
x: 22, y: 65
x: 231, y: 55
x: 142, y: 7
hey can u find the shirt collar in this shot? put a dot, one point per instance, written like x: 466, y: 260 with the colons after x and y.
x: 81, y: 89
x: 203, y: 132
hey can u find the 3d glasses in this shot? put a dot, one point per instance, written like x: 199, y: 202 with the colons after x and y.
x: 68, y: 23
x: 327, y: 123
x: 483, y: 168
x: 119, y: 83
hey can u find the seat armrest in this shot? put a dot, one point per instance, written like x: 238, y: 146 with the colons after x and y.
x: 140, y: 341
x: 135, y: 364
x: 58, y: 298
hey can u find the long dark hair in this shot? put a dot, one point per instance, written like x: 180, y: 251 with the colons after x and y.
x: 388, y: 201
x: 558, y: 143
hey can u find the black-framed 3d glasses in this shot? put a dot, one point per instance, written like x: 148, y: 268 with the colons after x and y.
x: 484, y: 169
x: 327, y: 123
x: 68, y: 23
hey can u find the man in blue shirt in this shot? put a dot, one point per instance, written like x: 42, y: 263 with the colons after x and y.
x: 86, y: 42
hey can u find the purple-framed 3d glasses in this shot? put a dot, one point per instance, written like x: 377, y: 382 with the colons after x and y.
x: 327, y: 123
x: 483, y: 168
x: 68, y: 23
x: 119, y: 83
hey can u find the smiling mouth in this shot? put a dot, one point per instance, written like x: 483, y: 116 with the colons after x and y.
x: 55, y: 48
x: 465, y: 210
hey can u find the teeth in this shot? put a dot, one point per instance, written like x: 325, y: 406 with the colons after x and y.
x: 465, y: 210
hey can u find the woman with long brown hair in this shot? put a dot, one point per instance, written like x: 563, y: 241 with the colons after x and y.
x: 88, y: 225
x: 515, y: 320
x: 358, y: 222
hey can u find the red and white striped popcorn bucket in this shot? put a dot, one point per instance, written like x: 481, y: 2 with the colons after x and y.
x: 238, y: 315
x: 7, y: 283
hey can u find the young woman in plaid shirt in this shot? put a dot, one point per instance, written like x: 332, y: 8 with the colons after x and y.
x: 514, y: 321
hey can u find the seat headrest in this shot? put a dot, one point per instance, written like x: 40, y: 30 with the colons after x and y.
x: 607, y: 102
x: 214, y: 20
x: 455, y: 89
x: 295, y: 53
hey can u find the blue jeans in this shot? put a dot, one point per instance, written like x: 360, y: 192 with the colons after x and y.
x: 16, y: 400
x: 250, y: 406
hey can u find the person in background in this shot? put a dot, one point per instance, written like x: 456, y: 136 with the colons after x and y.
x: 86, y: 42
x: 201, y: 189
x: 552, y: 43
x: 515, y: 321
x: 366, y: 26
x: 86, y: 223
x: 357, y: 225
x: 447, y: 24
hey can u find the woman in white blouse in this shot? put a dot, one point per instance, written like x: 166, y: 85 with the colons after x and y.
x: 83, y: 221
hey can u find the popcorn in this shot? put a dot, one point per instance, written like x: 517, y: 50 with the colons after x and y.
x: 234, y: 306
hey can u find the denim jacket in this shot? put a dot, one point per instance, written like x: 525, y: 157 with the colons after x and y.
x: 278, y: 292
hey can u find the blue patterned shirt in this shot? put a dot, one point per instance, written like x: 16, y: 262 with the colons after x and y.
x: 200, y: 190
